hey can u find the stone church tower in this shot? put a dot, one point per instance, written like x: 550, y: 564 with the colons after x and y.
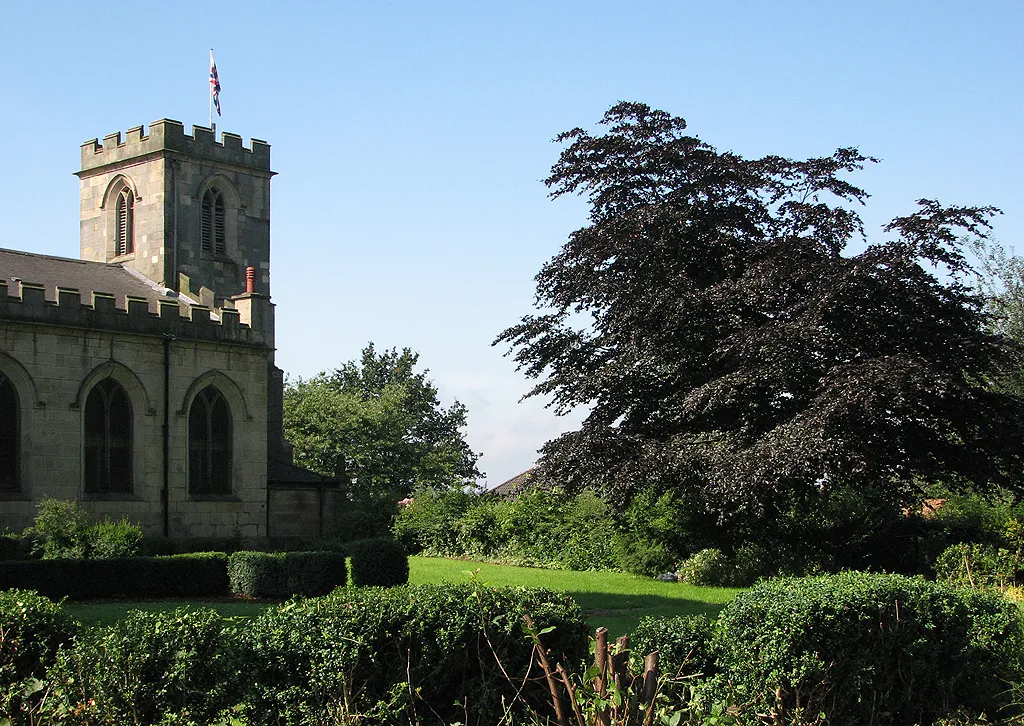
x: 139, y: 380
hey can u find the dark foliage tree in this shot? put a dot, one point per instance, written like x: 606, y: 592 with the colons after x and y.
x: 377, y: 425
x: 728, y: 348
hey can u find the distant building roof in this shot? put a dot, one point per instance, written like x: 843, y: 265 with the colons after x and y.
x: 517, y: 484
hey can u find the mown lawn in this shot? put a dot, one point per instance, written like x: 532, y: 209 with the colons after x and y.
x: 615, y: 600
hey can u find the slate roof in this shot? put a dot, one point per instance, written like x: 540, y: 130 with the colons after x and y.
x: 85, y: 276
x: 516, y: 485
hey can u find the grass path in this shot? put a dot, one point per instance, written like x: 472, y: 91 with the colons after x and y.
x: 615, y: 600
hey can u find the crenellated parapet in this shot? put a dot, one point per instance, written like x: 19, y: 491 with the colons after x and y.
x: 26, y: 302
x: 168, y: 135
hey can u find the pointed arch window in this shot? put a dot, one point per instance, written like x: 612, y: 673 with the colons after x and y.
x: 213, y: 222
x: 125, y: 222
x: 10, y: 436
x: 108, y: 439
x: 209, y: 444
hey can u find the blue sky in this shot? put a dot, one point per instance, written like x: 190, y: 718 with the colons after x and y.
x: 411, y: 137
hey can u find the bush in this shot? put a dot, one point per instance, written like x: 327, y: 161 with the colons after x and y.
x: 315, y: 573
x: 428, y: 524
x: 281, y: 574
x: 379, y: 561
x: 867, y: 648
x: 9, y: 548
x: 709, y: 568
x: 258, y: 574
x: 109, y: 540
x: 145, y: 669
x: 194, y: 575
x: 32, y: 628
x: 978, y: 565
x: 366, y: 650
x: 683, y: 644
x: 60, y: 530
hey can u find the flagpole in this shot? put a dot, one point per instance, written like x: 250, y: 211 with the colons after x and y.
x: 213, y: 126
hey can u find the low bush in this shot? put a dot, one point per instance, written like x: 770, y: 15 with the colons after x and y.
x: 110, y: 540
x: 380, y: 561
x: 149, y: 668
x: 433, y: 654
x: 61, y: 530
x: 32, y: 628
x: 9, y: 548
x: 709, y: 568
x: 315, y: 573
x: 978, y: 565
x: 683, y: 644
x: 283, y: 574
x: 194, y: 575
x: 258, y: 574
x: 868, y: 648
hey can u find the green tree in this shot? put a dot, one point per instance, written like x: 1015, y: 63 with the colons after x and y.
x: 376, y: 424
x: 728, y: 347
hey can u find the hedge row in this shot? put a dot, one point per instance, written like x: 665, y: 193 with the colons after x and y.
x: 201, y: 574
x: 195, y: 575
x: 857, y: 647
x: 426, y: 654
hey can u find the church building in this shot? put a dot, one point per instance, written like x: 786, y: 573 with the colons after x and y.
x: 139, y: 380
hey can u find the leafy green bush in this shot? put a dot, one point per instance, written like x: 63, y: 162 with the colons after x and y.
x: 978, y: 565
x: 315, y: 573
x: 380, y: 561
x: 146, y: 669
x: 868, y: 648
x: 258, y: 574
x: 109, y: 540
x: 428, y: 524
x: 60, y: 530
x: 683, y: 644
x: 32, y: 628
x: 195, y: 575
x: 708, y: 567
x: 9, y: 548
x: 368, y: 650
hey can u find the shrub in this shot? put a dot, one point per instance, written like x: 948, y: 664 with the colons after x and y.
x: 379, y: 561
x: 428, y: 523
x: 9, y: 548
x: 145, y: 669
x: 683, y: 644
x: 315, y: 573
x: 135, y: 577
x: 867, y: 648
x: 977, y: 565
x: 60, y: 530
x: 367, y: 650
x: 108, y: 540
x: 708, y: 567
x: 32, y: 628
x: 258, y: 574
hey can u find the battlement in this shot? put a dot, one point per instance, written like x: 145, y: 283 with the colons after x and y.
x: 168, y: 135
x: 26, y: 302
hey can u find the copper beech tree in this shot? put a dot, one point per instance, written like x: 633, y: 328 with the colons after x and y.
x: 729, y: 346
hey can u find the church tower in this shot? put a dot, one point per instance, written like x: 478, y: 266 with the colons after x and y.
x: 184, y: 211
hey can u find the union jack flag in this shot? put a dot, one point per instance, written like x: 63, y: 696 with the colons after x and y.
x: 214, y: 83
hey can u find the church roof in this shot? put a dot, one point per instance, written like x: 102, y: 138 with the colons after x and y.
x: 82, y: 275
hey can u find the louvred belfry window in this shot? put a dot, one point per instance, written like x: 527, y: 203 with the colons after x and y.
x: 10, y: 438
x: 213, y: 222
x: 108, y: 439
x: 125, y: 222
x: 209, y: 444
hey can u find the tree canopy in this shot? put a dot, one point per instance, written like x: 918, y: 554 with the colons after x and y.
x: 377, y: 425
x: 726, y: 342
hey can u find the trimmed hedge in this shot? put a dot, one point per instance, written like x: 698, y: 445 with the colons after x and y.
x: 195, y: 575
x: 283, y: 574
x: 367, y: 649
x: 870, y: 648
x: 146, y: 669
x: 380, y: 561
x: 683, y: 644
x: 32, y: 628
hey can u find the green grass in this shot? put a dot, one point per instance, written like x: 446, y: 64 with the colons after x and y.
x: 615, y: 600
